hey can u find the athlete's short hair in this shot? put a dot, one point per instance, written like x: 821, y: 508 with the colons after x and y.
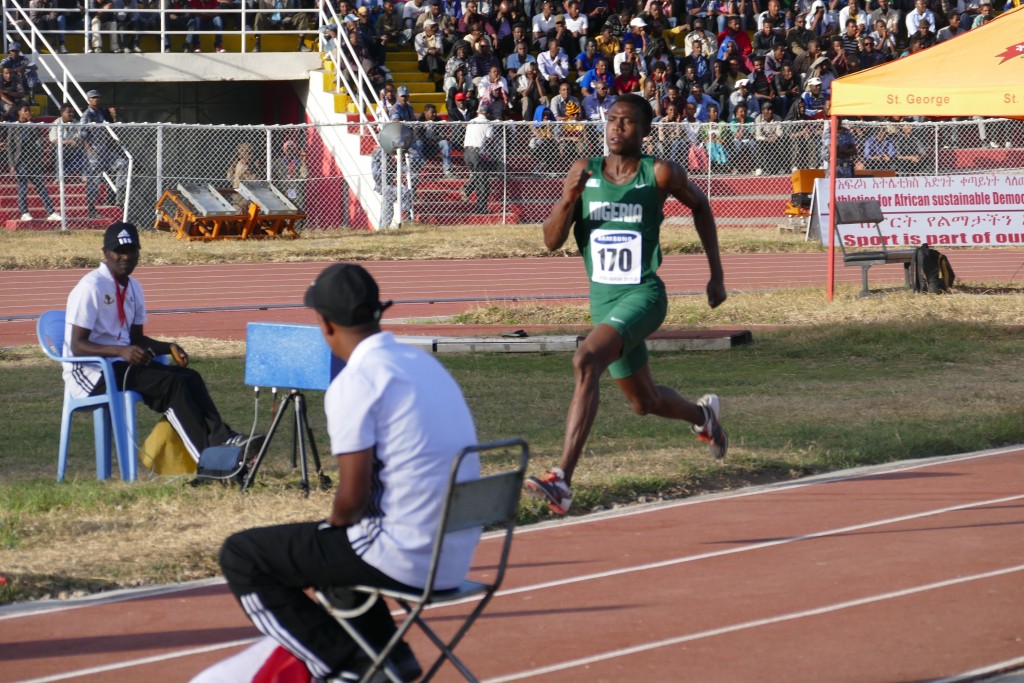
x: 640, y: 104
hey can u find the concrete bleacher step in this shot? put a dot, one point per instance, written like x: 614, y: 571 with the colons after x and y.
x: 446, y: 213
x: 428, y: 87
x: 108, y: 214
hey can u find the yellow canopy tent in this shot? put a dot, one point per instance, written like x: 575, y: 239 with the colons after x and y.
x: 979, y: 73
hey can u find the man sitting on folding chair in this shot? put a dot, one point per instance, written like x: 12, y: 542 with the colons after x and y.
x: 396, y: 420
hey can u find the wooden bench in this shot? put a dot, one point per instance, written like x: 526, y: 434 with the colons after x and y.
x: 870, y: 211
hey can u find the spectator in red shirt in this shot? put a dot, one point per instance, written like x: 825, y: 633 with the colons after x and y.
x: 733, y: 30
x: 627, y: 81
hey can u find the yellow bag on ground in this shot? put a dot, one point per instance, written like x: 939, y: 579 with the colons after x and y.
x: 164, y: 452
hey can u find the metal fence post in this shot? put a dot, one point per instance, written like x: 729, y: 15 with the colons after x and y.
x: 159, y: 161
x: 270, y: 151
x: 504, y: 175
x: 398, y: 183
x: 61, y: 189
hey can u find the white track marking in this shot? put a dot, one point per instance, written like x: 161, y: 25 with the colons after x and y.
x: 825, y: 609
x: 745, y: 548
x: 139, y: 662
x: 815, y: 480
x: 1008, y: 665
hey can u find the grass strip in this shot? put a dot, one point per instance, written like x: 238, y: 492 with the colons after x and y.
x: 798, y: 400
x: 81, y: 248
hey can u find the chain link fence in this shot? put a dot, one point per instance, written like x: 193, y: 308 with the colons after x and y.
x: 338, y: 177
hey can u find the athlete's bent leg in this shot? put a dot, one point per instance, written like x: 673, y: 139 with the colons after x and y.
x: 648, y: 398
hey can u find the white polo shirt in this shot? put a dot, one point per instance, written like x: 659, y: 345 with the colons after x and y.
x: 406, y: 405
x: 93, y: 304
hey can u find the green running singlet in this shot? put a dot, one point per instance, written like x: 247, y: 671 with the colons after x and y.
x: 618, y: 231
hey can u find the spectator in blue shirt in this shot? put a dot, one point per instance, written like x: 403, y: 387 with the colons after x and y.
x: 880, y: 149
x: 599, y: 72
x: 515, y: 61
x: 702, y: 101
x: 587, y: 60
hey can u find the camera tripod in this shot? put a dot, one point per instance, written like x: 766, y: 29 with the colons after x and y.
x: 301, y: 435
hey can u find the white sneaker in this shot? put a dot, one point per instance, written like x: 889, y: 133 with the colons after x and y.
x: 758, y: 171
x: 53, y: 216
x: 63, y: 50
x: 1008, y: 144
x: 711, y: 431
x: 136, y: 49
x: 993, y: 144
x: 26, y: 216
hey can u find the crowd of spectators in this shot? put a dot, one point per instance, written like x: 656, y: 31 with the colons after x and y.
x: 729, y: 72
x: 738, y: 66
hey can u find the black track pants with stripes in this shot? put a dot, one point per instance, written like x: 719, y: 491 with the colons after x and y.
x: 268, y: 570
x: 179, y: 393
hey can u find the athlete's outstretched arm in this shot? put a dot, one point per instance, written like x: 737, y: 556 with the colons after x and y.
x: 556, y: 227
x: 672, y: 179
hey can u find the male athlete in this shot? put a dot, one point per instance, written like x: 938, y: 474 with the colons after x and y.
x: 615, y: 204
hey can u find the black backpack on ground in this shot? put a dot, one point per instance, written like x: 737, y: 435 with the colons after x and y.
x: 930, y: 271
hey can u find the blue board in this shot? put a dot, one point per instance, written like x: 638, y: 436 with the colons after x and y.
x: 288, y: 356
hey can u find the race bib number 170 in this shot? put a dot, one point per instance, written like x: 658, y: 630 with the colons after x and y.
x: 615, y: 255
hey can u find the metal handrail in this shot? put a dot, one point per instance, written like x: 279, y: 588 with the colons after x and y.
x: 244, y: 13
x: 344, y: 52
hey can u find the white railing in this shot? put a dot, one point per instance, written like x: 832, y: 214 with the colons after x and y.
x: 348, y: 69
x: 13, y: 14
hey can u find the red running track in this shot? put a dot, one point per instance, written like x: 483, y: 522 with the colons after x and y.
x: 911, y: 572
x: 428, y: 288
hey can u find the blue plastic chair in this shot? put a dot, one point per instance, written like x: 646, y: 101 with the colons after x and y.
x: 113, y: 410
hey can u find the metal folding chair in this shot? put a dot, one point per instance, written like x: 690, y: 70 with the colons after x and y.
x: 488, y: 501
x: 113, y: 410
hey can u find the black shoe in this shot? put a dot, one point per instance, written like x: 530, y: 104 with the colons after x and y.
x: 251, y: 444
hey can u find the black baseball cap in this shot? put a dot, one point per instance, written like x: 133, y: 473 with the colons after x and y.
x: 121, y: 235
x: 346, y: 295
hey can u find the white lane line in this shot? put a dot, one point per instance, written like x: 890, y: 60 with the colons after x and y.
x: 973, y: 674
x: 747, y: 548
x: 816, y: 480
x: 825, y: 609
x: 139, y: 662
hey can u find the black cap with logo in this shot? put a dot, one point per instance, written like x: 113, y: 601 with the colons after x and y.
x: 121, y: 235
